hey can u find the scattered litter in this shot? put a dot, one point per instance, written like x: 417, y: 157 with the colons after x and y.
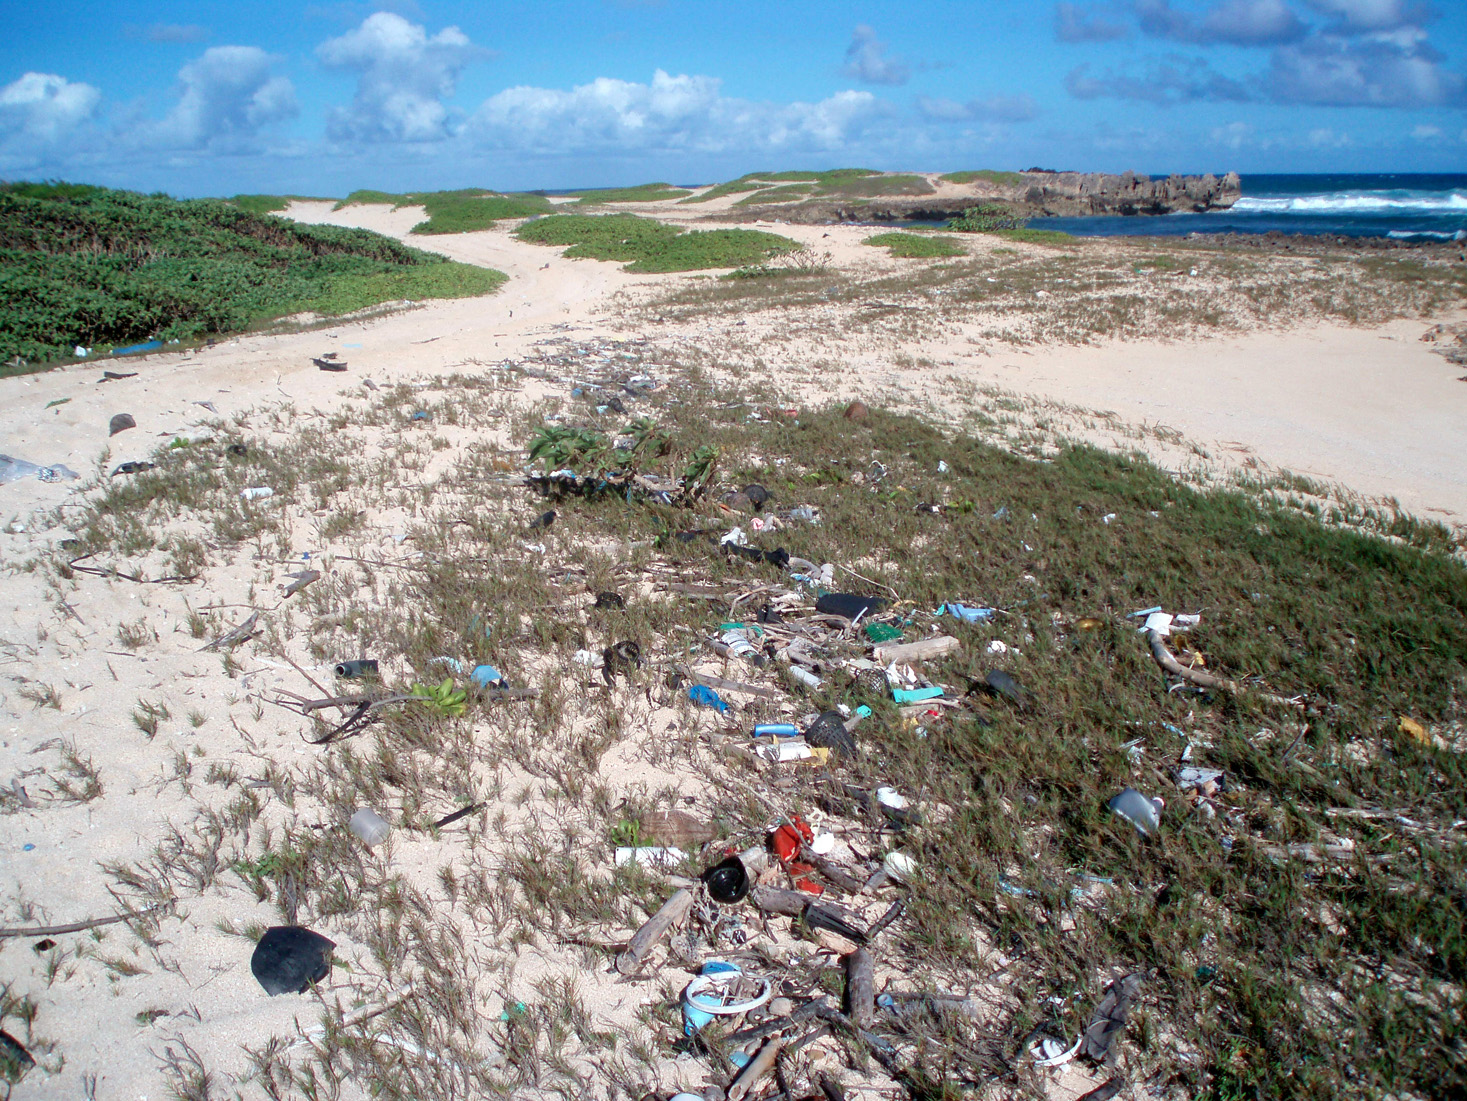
x: 1110, y: 1017
x: 257, y: 493
x: 330, y: 362
x: 899, y: 866
x: 115, y: 376
x: 134, y: 349
x: 486, y: 676
x: 704, y: 696
x: 14, y: 1059
x: 829, y: 731
x: 966, y: 613
x: 849, y: 605
x: 290, y: 959
x: 13, y: 470
x: 120, y: 423
x: 136, y: 467
x: 1141, y: 812
x: 357, y: 667
x: 728, y: 881
x: 370, y: 826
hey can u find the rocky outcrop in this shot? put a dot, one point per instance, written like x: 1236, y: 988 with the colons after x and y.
x: 1036, y: 194
x: 1075, y: 193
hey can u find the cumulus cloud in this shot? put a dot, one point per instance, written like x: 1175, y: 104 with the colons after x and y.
x: 227, y: 96
x: 1235, y: 135
x: 1231, y: 22
x: 1073, y: 23
x: 1391, y: 69
x: 1360, y: 16
x: 997, y: 108
x: 1165, y: 81
x: 866, y: 60
x: 403, y: 77
x: 670, y: 113
x: 41, y: 108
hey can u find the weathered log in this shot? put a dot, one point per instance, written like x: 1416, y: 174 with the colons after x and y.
x: 673, y: 911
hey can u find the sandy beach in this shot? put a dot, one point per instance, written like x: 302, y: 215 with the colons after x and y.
x: 1367, y: 409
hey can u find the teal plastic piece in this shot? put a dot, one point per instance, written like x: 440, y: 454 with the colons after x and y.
x: 915, y: 695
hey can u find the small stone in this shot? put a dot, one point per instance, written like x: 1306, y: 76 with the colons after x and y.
x: 781, y: 1007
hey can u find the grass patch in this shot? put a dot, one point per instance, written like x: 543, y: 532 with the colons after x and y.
x: 462, y: 211
x: 789, y: 193
x: 642, y: 193
x: 464, y: 214
x: 917, y: 246
x: 101, y: 269
x: 718, y: 191
x: 262, y: 204
x: 1037, y: 236
x: 874, y: 187
x: 648, y: 245
x: 988, y: 175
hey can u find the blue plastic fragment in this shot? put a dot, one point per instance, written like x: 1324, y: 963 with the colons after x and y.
x: 776, y: 730
x: 967, y: 613
x: 704, y: 696
x: 694, y: 1018
x: 486, y: 676
x: 420, y: 415
x: 133, y: 349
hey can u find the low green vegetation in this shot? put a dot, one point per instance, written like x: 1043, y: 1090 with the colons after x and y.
x: 987, y: 218
x: 875, y: 187
x: 462, y: 211
x: 101, y: 269
x: 1037, y: 236
x: 261, y: 204
x: 648, y: 245
x: 789, y: 193
x: 642, y: 193
x: 917, y: 246
x: 987, y: 175
x: 733, y: 187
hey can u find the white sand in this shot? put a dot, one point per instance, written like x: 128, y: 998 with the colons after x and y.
x: 1370, y: 409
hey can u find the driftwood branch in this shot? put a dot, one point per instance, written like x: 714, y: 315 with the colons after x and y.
x: 1168, y: 661
x: 75, y: 926
x: 112, y: 571
x: 673, y: 911
x: 860, y: 988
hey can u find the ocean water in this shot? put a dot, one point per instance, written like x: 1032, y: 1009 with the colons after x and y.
x: 1415, y: 207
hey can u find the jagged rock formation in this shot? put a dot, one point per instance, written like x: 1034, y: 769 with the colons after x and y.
x: 1036, y: 194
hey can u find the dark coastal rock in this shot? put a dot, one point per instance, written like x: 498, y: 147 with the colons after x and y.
x: 1039, y: 194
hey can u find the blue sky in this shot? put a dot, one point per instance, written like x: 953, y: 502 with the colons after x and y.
x: 324, y: 97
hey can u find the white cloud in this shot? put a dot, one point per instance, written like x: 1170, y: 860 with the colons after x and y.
x: 1372, y: 15
x: 1392, y: 69
x: 670, y: 113
x: 1235, y: 135
x: 1073, y: 23
x: 404, y: 76
x: 42, y: 107
x: 996, y: 108
x: 1236, y: 22
x: 227, y: 95
x: 866, y: 60
x: 1424, y: 132
x: 1325, y: 138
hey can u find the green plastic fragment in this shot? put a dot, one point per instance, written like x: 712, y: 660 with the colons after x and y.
x: 882, y: 632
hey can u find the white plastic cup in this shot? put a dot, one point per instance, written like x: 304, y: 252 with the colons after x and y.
x: 370, y: 826
x: 254, y: 493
